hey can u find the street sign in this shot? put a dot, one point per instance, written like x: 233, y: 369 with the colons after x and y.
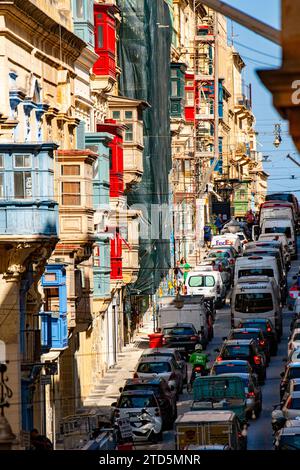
x: 45, y: 379
x: 125, y: 428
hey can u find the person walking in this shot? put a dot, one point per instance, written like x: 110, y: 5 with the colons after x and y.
x: 185, y: 267
x: 219, y: 223
x: 178, y: 275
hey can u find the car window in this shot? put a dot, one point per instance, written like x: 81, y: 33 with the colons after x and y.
x: 256, y: 272
x: 178, y: 330
x: 245, y: 335
x: 137, y: 401
x: 253, y: 302
x: 201, y: 281
x: 294, y: 373
x: 139, y: 386
x: 296, y: 337
x: 233, y: 368
x: 154, y: 367
x: 235, y: 350
x: 295, y: 404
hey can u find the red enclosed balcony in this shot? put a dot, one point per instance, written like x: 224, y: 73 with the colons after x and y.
x: 105, y: 39
x: 116, y: 257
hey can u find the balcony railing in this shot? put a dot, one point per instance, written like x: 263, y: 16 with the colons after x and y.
x: 243, y: 100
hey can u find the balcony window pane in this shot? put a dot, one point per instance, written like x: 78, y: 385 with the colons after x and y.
x: 22, y: 161
x: 174, y: 88
x: 1, y: 185
x: 190, y: 98
x: 71, y: 194
x: 51, y: 299
x: 129, y: 133
x: 1, y: 161
x: 50, y: 277
x: 128, y: 114
x: 22, y: 185
x: 79, y: 8
x: 173, y: 73
x: 100, y: 36
x: 116, y: 115
x: 70, y: 170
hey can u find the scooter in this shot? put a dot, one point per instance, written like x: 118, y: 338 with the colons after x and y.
x: 147, y: 427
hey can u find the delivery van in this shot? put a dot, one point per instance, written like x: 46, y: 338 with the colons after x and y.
x: 210, y: 428
x: 285, y: 226
x: 207, y: 283
x: 228, y: 239
x: 257, y: 297
x: 277, y: 210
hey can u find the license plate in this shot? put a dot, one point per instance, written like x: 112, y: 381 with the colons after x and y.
x: 180, y: 349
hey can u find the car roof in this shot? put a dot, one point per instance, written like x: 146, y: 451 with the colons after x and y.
x: 150, y: 381
x: 170, y: 325
x: 232, y: 361
x: 294, y: 364
x: 158, y: 351
x: 137, y: 392
x: 155, y: 359
x: 237, y: 342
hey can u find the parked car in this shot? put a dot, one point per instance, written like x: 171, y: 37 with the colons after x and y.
x: 293, y: 386
x: 166, y: 396
x: 235, y: 366
x: 294, y: 356
x: 252, y: 333
x: 246, y: 349
x: 288, y: 438
x: 292, y: 371
x: 289, y: 409
x: 182, y: 336
x: 266, y: 326
x: 294, y: 340
x: 141, y: 409
x: 295, y: 323
x: 253, y: 393
x: 168, y: 352
x: 165, y: 367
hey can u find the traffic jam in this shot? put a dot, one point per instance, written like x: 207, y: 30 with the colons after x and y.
x: 222, y: 371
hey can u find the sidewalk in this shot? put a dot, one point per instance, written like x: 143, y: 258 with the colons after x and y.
x: 107, y: 389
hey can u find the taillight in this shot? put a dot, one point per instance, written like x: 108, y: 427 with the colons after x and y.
x: 157, y: 412
x: 193, y: 338
x: 198, y: 369
x: 269, y: 329
x: 262, y: 342
x: 184, y: 290
x: 257, y: 360
x: 164, y: 340
x: 219, y: 359
x: 135, y: 375
x: 250, y: 394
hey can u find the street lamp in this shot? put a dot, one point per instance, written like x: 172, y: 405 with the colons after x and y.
x: 277, y: 132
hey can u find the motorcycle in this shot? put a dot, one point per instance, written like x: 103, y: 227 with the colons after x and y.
x: 278, y: 420
x: 198, y: 370
x: 146, y: 427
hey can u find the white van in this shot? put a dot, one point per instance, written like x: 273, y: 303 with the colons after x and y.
x: 273, y: 212
x: 280, y: 237
x: 257, y: 297
x: 285, y: 226
x: 254, y: 266
x: 228, y: 239
x: 207, y: 283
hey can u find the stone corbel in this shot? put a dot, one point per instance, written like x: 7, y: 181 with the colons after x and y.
x: 15, y: 98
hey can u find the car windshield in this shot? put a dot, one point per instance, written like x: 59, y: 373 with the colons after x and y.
x: 285, y: 230
x: 295, y: 404
x: 179, y: 331
x: 233, y: 368
x: 279, y: 197
x: 263, y: 325
x: 296, y: 337
x: 201, y: 281
x: 290, y: 442
x: 235, y: 350
x: 154, y: 367
x: 254, y: 302
x: 137, y: 401
x: 256, y: 272
x: 294, y: 373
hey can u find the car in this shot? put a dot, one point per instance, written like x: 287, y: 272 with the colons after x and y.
x: 218, y: 264
x: 294, y: 340
x: 253, y: 393
x: 293, y: 386
x: 252, y: 333
x: 292, y: 371
x: 246, y: 349
x: 181, y: 336
x: 288, y: 437
x: 165, y: 367
x: 267, y: 328
x: 290, y: 408
x: 293, y: 356
x: 235, y: 366
x: 223, y: 254
x: 295, y: 323
x: 141, y: 409
x: 166, y: 396
x: 169, y: 352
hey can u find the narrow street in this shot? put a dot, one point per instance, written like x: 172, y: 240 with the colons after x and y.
x: 260, y: 430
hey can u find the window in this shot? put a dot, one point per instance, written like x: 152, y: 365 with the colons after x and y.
x: 173, y: 73
x: 100, y: 36
x: 23, y: 185
x: 22, y: 161
x: 116, y: 115
x: 174, y: 89
x: 70, y: 170
x: 51, y: 299
x: 1, y: 185
x: 154, y: 367
x: 129, y: 133
x: 128, y: 114
x: 189, y: 98
x: 50, y: 277
x: 254, y: 302
x: 202, y: 281
x: 256, y: 272
x: 79, y: 8
x: 1, y: 161
x: 71, y: 194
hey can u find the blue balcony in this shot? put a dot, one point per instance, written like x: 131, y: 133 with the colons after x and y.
x: 46, y: 331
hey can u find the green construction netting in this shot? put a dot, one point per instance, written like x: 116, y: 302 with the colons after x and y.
x: 144, y: 57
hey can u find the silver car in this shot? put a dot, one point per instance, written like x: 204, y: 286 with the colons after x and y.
x: 169, y: 352
x: 160, y: 366
x: 290, y: 409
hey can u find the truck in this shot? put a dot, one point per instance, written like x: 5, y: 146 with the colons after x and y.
x: 187, y: 309
x: 210, y: 428
x: 220, y: 393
